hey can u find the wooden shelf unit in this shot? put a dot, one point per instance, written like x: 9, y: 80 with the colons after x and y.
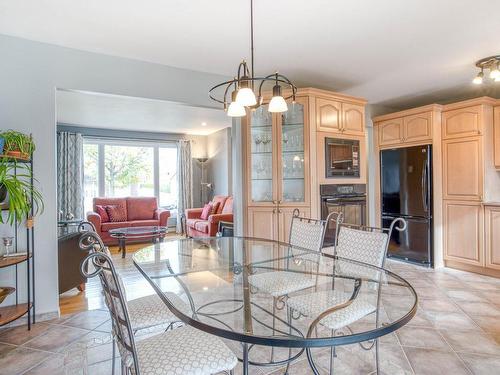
x: 13, y: 312
x: 10, y: 313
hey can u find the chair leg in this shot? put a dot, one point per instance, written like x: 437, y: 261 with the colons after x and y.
x: 333, y: 354
x: 377, y: 356
x: 124, y: 369
x: 289, y: 320
x: 274, y: 326
x: 113, y: 357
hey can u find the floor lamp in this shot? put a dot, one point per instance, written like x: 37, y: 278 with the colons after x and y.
x: 208, y: 185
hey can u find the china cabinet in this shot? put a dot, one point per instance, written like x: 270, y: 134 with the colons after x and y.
x: 277, y: 167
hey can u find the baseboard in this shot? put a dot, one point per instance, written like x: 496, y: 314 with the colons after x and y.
x: 472, y: 268
x: 39, y: 318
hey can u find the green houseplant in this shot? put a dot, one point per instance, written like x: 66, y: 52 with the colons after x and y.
x: 17, y: 196
x: 17, y: 144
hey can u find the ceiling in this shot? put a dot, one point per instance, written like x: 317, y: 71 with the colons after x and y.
x: 382, y: 50
x: 127, y: 113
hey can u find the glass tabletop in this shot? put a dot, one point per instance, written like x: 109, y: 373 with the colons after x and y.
x: 133, y: 231
x: 225, y: 286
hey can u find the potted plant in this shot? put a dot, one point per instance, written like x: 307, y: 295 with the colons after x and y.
x: 17, y: 196
x: 17, y: 144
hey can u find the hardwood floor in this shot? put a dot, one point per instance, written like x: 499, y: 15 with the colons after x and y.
x: 91, y: 298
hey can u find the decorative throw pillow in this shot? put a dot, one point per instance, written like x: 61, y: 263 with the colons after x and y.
x: 101, y: 211
x: 215, y: 207
x: 116, y: 213
x: 207, y: 211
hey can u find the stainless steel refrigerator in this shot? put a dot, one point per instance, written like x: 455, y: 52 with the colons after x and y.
x: 406, y: 191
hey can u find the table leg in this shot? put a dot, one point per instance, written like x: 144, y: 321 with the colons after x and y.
x: 245, y: 359
x: 122, y: 247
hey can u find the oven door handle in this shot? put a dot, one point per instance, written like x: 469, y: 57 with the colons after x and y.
x: 342, y: 200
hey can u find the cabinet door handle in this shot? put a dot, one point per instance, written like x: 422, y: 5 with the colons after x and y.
x: 279, y: 211
x: 275, y: 202
x: 274, y: 210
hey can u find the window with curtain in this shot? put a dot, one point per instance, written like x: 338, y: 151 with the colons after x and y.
x: 115, y: 168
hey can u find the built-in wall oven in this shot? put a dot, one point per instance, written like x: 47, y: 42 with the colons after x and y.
x: 342, y: 157
x: 350, y: 199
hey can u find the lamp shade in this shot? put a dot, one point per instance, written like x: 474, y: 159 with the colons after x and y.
x: 236, y: 110
x: 278, y: 104
x: 495, y: 73
x: 246, y: 97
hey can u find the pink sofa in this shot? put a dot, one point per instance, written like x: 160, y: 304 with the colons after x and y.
x: 196, y: 227
x: 140, y: 212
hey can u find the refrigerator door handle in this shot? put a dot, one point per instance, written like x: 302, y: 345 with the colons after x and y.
x: 424, y: 187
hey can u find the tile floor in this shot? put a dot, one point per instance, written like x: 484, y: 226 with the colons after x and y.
x: 456, y: 331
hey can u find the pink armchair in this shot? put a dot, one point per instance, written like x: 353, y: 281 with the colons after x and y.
x: 196, y: 227
x: 140, y: 212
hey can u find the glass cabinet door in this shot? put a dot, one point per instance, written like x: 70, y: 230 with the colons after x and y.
x: 261, y: 155
x: 292, y: 154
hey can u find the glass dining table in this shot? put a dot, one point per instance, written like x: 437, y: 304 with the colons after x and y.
x: 213, y: 278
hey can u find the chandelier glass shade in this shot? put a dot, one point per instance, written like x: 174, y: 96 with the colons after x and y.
x: 492, y: 64
x: 246, y: 90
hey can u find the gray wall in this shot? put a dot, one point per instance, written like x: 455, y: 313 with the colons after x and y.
x: 219, y: 163
x: 30, y: 73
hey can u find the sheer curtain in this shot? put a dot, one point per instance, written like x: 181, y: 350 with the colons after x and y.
x: 185, y: 180
x: 70, y: 174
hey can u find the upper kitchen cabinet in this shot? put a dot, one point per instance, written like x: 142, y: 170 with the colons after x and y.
x: 328, y: 115
x: 418, y: 127
x: 391, y: 132
x: 340, y: 117
x: 462, y: 122
x: 410, y: 127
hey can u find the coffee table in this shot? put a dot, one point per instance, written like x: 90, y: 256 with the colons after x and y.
x: 155, y: 233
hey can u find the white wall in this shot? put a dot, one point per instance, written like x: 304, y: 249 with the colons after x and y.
x: 219, y: 164
x: 30, y: 72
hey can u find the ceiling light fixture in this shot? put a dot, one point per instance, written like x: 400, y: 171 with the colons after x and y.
x: 246, y: 86
x: 492, y: 64
x: 203, y: 124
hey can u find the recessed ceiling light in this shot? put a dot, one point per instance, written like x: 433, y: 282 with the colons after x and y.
x: 203, y: 124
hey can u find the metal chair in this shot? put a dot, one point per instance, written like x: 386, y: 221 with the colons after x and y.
x: 363, y: 244
x: 183, y: 350
x: 145, y: 312
x: 307, y: 234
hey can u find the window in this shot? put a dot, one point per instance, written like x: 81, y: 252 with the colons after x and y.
x: 124, y: 168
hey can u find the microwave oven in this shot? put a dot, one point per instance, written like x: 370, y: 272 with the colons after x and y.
x: 342, y: 157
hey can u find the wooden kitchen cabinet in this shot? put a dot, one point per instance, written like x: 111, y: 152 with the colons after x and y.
x: 462, y: 122
x: 411, y: 129
x: 353, y: 118
x: 463, y: 168
x: 463, y: 232
x: 492, y: 236
x: 417, y: 127
x: 328, y: 115
x: 338, y: 117
x: 262, y: 222
x: 390, y: 132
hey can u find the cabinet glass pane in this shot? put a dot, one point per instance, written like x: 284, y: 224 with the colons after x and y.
x: 261, y: 146
x: 292, y: 154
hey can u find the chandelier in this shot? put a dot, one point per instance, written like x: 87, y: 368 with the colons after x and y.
x: 492, y: 64
x: 246, y: 91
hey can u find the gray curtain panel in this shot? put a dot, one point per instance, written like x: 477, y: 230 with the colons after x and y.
x: 185, y: 180
x: 70, y: 174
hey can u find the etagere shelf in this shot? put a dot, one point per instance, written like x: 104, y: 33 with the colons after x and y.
x: 26, y: 257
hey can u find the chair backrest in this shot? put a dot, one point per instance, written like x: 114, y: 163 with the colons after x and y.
x: 366, y: 244
x: 114, y: 297
x: 309, y: 234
